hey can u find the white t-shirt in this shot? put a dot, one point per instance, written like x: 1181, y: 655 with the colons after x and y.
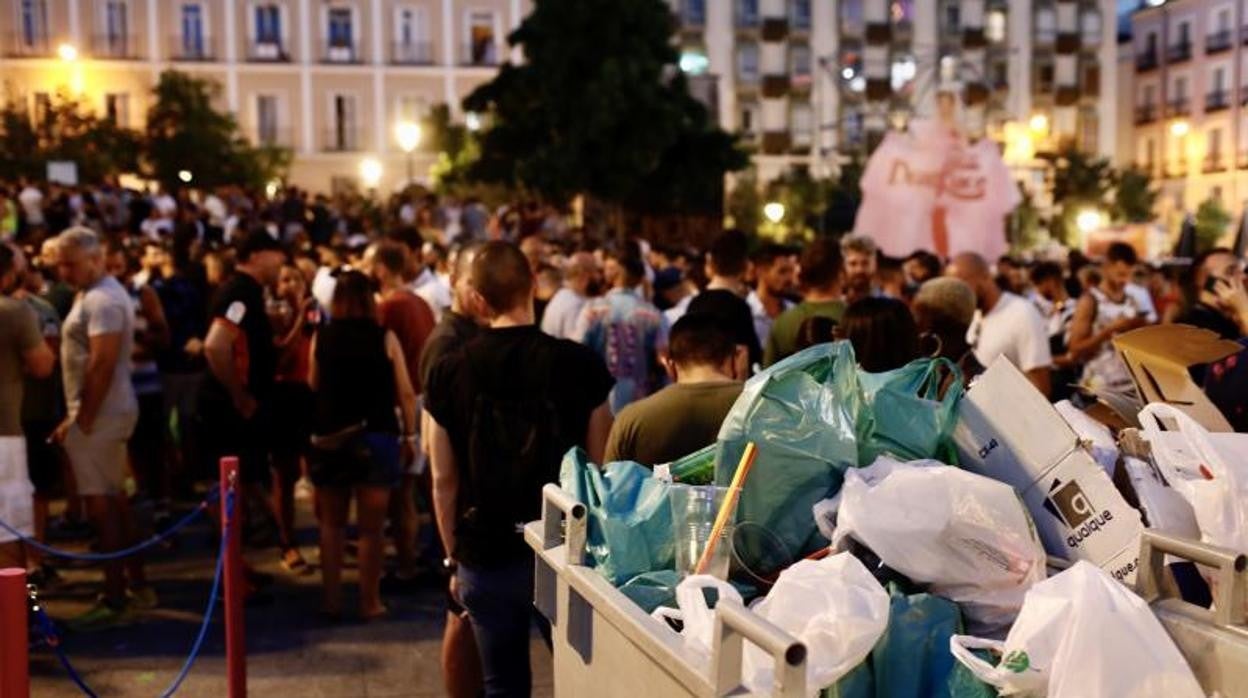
x: 559, y: 320
x: 433, y: 290
x: 762, y: 321
x: 31, y: 200
x: 1143, y: 300
x: 1013, y: 329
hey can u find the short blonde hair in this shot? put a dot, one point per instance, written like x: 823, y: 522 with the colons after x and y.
x: 949, y: 296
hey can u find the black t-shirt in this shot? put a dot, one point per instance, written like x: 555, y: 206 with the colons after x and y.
x: 1209, y: 318
x: 450, y: 334
x: 240, y: 303
x: 513, y: 363
x: 734, y: 313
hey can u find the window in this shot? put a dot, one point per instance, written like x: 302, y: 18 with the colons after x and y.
x: 1044, y: 77
x: 1180, y: 89
x: 1046, y: 25
x: 411, y: 34
x: 1092, y: 79
x: 953, y: 18
x: 799, y: 61
x: 801, y: 121
x: 267, y: 120
x: 117, y: 108
x: 800, y: 14
x: 340, y: 29
x: 852, y: 21
x: 116, y: 25
x: 1150, y: 154
x: 342, y: 135
x: 994, y: 29
x: 694, y: 12
x: 1214, y: 151
x: 1090, y: 26
x: 482, y: 49
x: 192, y: 31
x: 268, y: 24
x: 34, y: 20
x: 1223, y: 22
x: 1185, y: 34
x: 749, y: 118
x: 747, y: 13
x: 747, y: 62
x: 1149, y: 93
x: 1219, y: 80
x: 1150, y: 44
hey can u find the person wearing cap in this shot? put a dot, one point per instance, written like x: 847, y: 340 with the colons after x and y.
x: 234, y: 400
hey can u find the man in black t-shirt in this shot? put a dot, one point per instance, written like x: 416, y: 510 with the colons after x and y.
x: 503, y: 411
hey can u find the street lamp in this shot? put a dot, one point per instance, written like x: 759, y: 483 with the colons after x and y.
x: 67, y: 52
x: 185, y: 176
x: 408, y: 134
x: 1089, y: 220
x: 774, y: 211
x: 370, y: 172
x: 1039, y: 124
x: 1179, y: 128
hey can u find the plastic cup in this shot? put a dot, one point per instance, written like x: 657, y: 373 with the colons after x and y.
x: 694, y: 510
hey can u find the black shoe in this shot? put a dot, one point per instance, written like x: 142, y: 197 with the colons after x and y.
x: 44, y: 577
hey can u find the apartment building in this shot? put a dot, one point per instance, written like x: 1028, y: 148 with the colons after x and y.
x: 330, y: 79
x: 810, y: 82
x: 1189, y: 90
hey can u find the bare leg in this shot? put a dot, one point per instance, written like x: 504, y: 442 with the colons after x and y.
x: 371, y: 504
x: 285, y: 471
x: 106, y: 518
x: 406, y: 525
x: 33, y: 557
x: 332, y: 508
x: 130, y: 536
x: 461, y: 666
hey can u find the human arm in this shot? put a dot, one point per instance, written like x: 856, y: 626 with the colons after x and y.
x: 37, y: 357
x: 103, y: 354
x: 219, y: 353
x: 313, y: 374
x: 1082, y: 339
x: 1233, y: 300
x: 403, y: 390
x: 1041, y: 378
x: 157, y: 335
x: 596, y: 435
x: 445, y: 483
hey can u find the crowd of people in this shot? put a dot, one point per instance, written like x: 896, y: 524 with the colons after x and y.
x: 426, y: 358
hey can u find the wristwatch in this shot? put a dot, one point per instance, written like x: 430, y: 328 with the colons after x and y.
x: 449, y: 564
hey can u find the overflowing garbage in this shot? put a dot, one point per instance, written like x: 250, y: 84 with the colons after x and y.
x: 919, y: 538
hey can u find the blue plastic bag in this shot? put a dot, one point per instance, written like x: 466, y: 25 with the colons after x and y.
x: 910, y: 419
x: 806, y: 416
x: 630, y: 520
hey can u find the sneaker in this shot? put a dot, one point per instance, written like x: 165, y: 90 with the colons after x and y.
x: 293, y: 562
x: 101, y: 616
x: 142, y: 598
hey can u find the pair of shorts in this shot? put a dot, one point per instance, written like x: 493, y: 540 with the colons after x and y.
x: 16, y: 506
x: 43, y: 459
x: 370, y: 459
x: 99, y: 458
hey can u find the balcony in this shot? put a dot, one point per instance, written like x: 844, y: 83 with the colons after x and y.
x: 1179, y: 52
x: 411, y: 53
x: 21, y: 45
x: 343, y: 139
x: 272, y: 137
x: 481, y: 53
x: 775, y: 28
x: 1175, y: 170
x: 1145, y: 114
x: 1179, y: 107
x: 341, y: 53
x: 1214, y: 163
x: 776, y: 142
x: 192, y: 49
x: 267, y: 51
x: 1067, y: 43
x: 1146, y: 61
x: 1218, y: 42
x: 775, y: 86
x: 1217, y: 100
x: 974, y: 38
x: 119, y: 47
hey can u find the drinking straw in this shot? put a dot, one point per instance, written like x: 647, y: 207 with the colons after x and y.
x: 729, y: 505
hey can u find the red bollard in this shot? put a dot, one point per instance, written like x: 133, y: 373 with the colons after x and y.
x: 14, y: 653
x: 235, y: 587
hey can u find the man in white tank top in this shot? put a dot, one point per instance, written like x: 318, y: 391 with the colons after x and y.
x: 1104, y: 311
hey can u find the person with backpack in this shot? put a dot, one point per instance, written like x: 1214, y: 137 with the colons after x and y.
x: 504, y: 409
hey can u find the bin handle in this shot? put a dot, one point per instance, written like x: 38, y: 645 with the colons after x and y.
x: 733, y: 625
x: 1228, y: 566
x: 558, y: 505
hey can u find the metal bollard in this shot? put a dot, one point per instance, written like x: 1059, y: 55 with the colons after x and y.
x: 235, y: 586
x: 14, y: 652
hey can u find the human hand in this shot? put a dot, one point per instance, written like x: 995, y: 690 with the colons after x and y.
x: 58, y: 434
x: 453, y: 589
x: 194, y: 346
x: 1231, y: 295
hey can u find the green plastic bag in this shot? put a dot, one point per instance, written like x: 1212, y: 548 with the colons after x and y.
x: 697, y: 468
x: 806, y: 416
x: 910, y: 419
x: 652, y: 589
x: 630, y: 520
x: 912, y: 658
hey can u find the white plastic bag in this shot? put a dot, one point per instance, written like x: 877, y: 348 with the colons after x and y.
x: 698, y: 618
x: 1213, y: 481
x: 1100, y: 439
x: 834, y: 606
x: 968, y: 537
x: 1083, y: 635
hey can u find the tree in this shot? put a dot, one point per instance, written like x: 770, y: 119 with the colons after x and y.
x: 599, y: 107
x: 745, y: 204
x: 1080, y: 181
x: 1134, y: 198
x: 68, y: 131
x: 185, y: 132
x: 1212, y: 220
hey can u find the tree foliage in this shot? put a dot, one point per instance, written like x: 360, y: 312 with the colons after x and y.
x: 66, y: 130
x: 1079, y: 181
x: 186, y: 132
x: 1134, y: 197
x: 1212, y: 220
x: 599, y: 107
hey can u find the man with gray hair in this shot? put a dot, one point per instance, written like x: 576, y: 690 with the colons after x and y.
x: 580, y: 278
x: 861, y: 260
x: 96, y: 345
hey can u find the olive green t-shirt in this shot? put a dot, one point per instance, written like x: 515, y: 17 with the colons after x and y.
x: 19, y: 333
x: 782, y: 342
x: 671, y: 423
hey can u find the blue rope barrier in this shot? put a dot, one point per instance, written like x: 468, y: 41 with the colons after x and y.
x: 53, y: 641
x: 212, y: 497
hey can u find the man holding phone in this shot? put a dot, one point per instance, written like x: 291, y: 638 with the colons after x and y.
x: 1221, y: 302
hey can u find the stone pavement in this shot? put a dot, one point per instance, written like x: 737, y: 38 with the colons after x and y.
x: 290, y: 650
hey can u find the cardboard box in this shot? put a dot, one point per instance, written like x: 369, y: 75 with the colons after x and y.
x: 1008, y: 431
x: 1158, y: 358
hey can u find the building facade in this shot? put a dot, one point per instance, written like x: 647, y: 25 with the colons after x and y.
x: 330, y: 79
x: 811, y: 82
x: 1189, y: 68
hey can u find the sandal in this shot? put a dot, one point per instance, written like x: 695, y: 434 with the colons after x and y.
x: 293, y: 562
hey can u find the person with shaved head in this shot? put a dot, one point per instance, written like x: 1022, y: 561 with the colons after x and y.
x: 1005, y: 324
x: 580, y: 282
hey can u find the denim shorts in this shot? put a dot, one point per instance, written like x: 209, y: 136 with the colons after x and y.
x: 368, y: 460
